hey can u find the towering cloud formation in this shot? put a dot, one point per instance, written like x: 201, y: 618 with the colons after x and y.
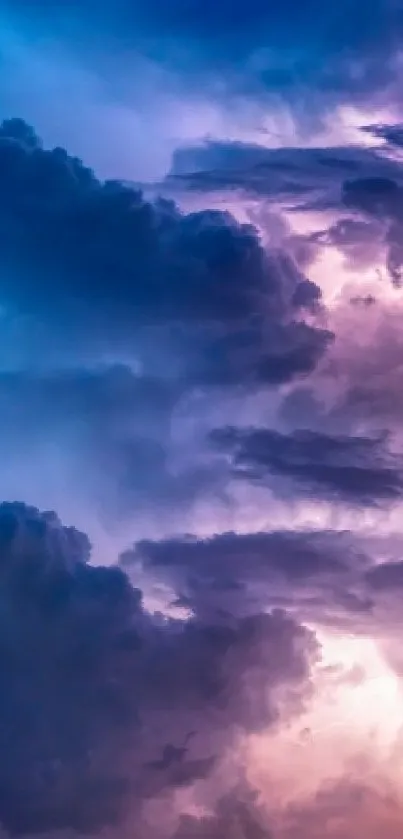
x: 103, y: 705
x: 204, y: 374
x: 107, y: 710
x: 92, y: 255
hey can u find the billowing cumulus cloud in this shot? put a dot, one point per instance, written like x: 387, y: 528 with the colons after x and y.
x: 98, y: 696
x: 232, y: 572
x: 381, y: 199
x: 358, y: 390
x: 296, y: 176
x: 144, y: 306
x: 106, y: 707
x: 198, y: 286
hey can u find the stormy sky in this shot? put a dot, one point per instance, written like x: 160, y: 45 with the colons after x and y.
x: 201, y: 437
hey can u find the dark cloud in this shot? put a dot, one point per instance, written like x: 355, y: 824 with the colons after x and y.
x: 227, y: 559
x: 342, y: 580
x: 191, y: 294
x: 357, y: 469
x: 388, y: 576
x: 381, y: 198
x: 361, y: 187
x: 342, y: 808
x: 298, y: 177
x: 263, y: 353
x: 94, y: 690
x: 360, y: 241
x: 392, y: 134
x: 358, y: 390
x: 302, y: 407
x: 103, y: 243
x: 364, y: 301
x: 108, y: 710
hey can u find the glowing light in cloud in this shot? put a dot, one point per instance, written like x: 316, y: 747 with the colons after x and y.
x: 351, y: 724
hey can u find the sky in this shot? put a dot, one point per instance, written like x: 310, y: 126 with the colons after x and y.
x: 201, y: 439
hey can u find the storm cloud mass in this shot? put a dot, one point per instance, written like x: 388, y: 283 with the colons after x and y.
x: 201, y: 369
x: 93, y: 686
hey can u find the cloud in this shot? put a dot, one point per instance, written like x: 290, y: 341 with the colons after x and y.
x: 392, y: 134
x: 355, y: 469
x: 342, y: 809
x: 296, y: 177
x: 254, y: 49
x: 233, y: 572
x: 343, y: 580
x: 177, y: 370
x: 94, y: 687
x: 361, y: 242
x: 377, y: 196
x: 357, y: 187
x: 193, y: 294
x: 387, y: 576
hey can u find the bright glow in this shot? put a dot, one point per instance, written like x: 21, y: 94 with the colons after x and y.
x: 352, y: 722
x: 357, y: 689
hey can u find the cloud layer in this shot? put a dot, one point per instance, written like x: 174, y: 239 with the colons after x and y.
x: 203, y: 372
